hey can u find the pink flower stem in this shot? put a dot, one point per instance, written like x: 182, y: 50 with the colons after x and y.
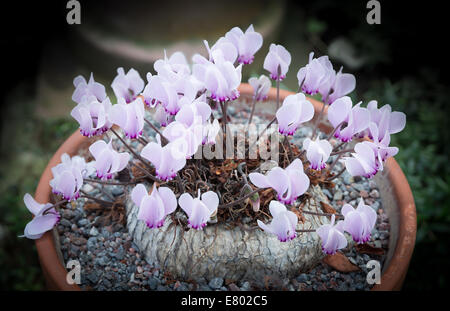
x: 321, y: 214
x: 53, y: 206
x: 142, y: 140
x: 240, y: 200
x: 305, y: 230
x: 339, y: 146
x: 224, y: 107
x: 337, y: 175
x: 253, y: 110
x: 118, y: 183
x: 319, y: 117
x: 278, y: 86
x: 335, y: 129
x: 335, y: 161
x: 148, y: 174
x: 87, y: 196
x: 180, y: 184
x: 262, y: 132
x: 164, y: 140
x: 341, y: 151
x: 288, y: 143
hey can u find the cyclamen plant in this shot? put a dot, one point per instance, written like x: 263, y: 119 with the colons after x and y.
x: 187, y: 101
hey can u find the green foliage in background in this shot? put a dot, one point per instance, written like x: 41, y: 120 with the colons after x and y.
x: 423, y: 157
x: 26, y: 149
x: 423, y: 152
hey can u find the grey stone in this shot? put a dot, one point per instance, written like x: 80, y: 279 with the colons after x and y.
x: 302, y: 278
x: 246, y: 286
x: 82, y: 222
x: 116, y: 191
x: 93, y: 232
x: 338, y: 195
x: 64, y: 222
x: 358, y: 187
x: 93, y: 277
x: 215, y: 283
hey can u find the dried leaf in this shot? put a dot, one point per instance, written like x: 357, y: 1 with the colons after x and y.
x: 369, y: 249
x: 327, y: 208
x: 340, y: 263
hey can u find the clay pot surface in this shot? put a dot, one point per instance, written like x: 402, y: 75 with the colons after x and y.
x: 395, y: 192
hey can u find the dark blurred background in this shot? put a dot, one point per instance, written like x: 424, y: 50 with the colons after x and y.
x: 402, y: 62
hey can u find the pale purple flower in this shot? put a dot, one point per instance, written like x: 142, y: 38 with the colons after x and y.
x: 41, y: 223
x: 261, y: 87
x: 355, y: 119
x: 359, y: 222
x: 107, y: 160
x: 289, y: 183
x: 332, y: 236
x: 161, y: 91
x: 228, y: 51
x: 93, y: 116
x: 221, y: 78
x: 296, y: 109
x: 210, y: 132
x: 176, y: 62
x: 363, y: 163
x: 190, y: 114
x: 317, y: 152
x: 127, y: 86
x: 68, y: 176
x: 154, y: 208
x: 340, y: 85
x: 283, y: 223
x: 85, y: 89
x: 199, y: 211
x: 247, y: 44
x: 277, y: 58
x: 130, y: 117
x: 185, y: 139
x: 167, y: 160
x: 162, y: 116
x: 380, y: 146
x: 316, y: 74
x: 386, y: 120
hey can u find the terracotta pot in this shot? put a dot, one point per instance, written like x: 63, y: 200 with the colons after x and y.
x: 395, y: 192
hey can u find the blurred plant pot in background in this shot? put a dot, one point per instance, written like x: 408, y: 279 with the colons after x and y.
x: 397, y: 200
x: 135, y: 33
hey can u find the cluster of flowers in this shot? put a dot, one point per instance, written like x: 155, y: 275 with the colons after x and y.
x: 180, y: 95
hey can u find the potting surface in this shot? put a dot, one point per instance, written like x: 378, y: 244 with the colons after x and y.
x: 109, y: 259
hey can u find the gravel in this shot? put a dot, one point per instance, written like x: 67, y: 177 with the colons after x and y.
x: 111, y: 261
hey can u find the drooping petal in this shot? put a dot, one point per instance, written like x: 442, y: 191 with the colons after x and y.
x: 138, y: 193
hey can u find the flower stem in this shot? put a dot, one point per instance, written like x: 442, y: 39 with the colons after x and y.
x: 341, y: 151
x: 262, y: 132
x: 339, y: 146
x: 316, y: 123
x: 87, y: 196
x: 335, y: 129
x: 321, y: 214
x: 136, y: 155
x: 278, y: 86
x: 337, y: 175
x: 54, y: 205
x: 118, y: 183
x: 163, y: 138
x: 335, y: 161
x: 148, y: 174
x: 240, y: 200
x: 253, y: 110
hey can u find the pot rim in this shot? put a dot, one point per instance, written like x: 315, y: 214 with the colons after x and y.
x: 391, y: 279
